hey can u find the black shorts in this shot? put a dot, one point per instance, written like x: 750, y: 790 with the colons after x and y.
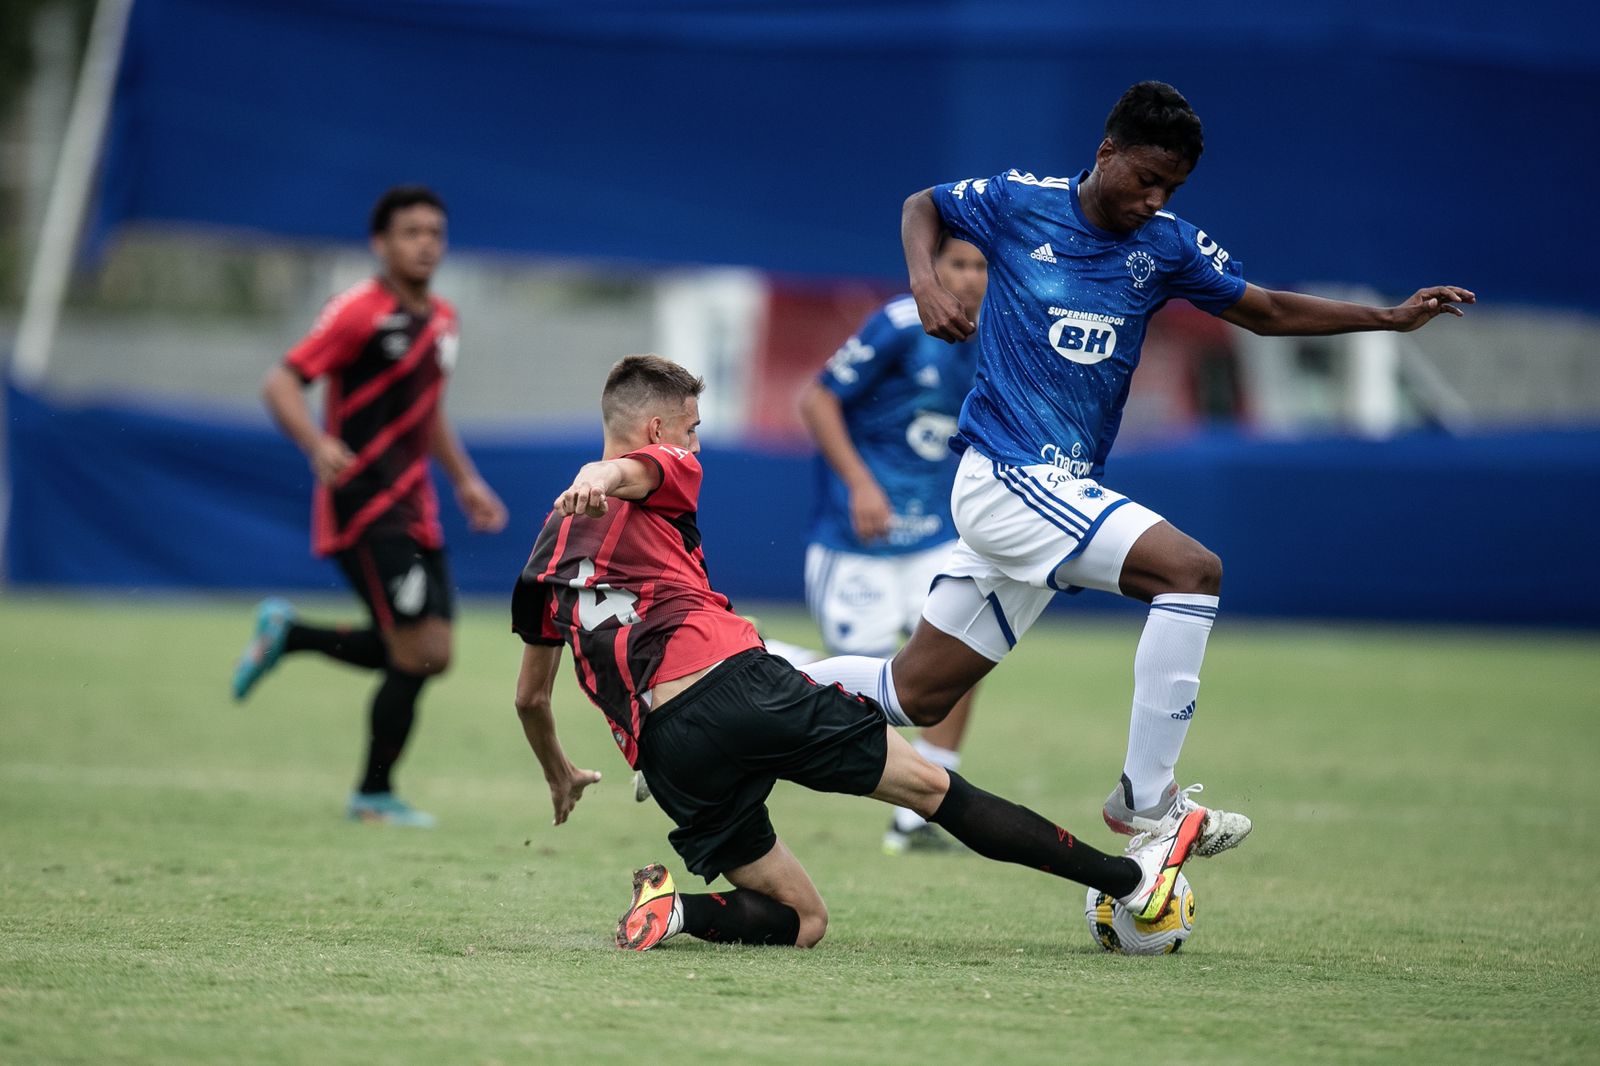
x: 399, y: 580
x: 712, y: 754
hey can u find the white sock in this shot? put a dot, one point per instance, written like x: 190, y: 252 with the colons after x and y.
x: 907, y: 820
x: 675, y: 922
x: 864, y: 675
x: 1166, y: 681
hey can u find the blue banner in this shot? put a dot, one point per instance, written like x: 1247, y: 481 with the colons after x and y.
x: 1356, y: 142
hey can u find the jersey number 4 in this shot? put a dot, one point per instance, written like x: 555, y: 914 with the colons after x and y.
x: 598, y: 604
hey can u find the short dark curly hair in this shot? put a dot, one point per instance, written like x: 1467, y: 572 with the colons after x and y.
x: 1154, y: 113
x: 397, y: 199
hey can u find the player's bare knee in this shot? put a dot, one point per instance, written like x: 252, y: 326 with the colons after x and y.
x: 1207, y: 572
x: 813, y: 924
x: 1196, y: 570
x: 435, y: 663
x: 925, y: 711
x: 421, y: 658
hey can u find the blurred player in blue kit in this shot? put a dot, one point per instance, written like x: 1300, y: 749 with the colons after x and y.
x: 882, y: 413
x: 1077, y: 266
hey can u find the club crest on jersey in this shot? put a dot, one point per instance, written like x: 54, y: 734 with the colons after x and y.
x: 929, y: 435
x: 1140, y: 267
x: 1083, y: 338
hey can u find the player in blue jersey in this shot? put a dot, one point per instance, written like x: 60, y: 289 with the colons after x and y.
x: 882, y: 413
x: 1076, y: 268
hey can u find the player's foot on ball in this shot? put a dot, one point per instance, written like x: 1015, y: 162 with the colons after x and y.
x: 925, y: 837
x: 1222, y: 829
x: 641, y: 787
x: 388, y: 809
x: 648, y: 920
x: 1161, y: 854
x: 273, y: 617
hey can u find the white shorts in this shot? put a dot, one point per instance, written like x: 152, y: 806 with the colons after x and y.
x: 1027, y: 532
x: 869, y: 604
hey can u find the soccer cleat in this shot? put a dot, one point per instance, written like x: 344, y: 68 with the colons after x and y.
x: 1160, y: 854
x: 641, y: 787
x: 1222, y: 829
x: 273, y: 618
x: 389, y: 809
x: 648, y: 919
x: 925, y: 837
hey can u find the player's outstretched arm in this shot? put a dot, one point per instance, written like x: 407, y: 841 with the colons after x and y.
x: 626, y: 479
x: 534, y: 684
x: 485, y: 513
x: 1275, y: 313
x: 870, y: 511
x: 921, y: 229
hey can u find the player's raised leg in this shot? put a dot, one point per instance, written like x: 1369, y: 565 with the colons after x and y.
x: 1181, y: 580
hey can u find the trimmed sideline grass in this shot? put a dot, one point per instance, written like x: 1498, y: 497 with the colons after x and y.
x: 177, y: 883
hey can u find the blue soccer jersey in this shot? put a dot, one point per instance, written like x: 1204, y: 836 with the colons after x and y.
x: 900, y: 391
x: 1065, y: 314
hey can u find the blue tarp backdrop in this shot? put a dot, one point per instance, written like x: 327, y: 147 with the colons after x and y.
x: 1496, y: 529
x: 1361, y: 141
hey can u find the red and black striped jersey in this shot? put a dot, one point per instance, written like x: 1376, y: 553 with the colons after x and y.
x: 385, y: 368
x: 629, y: 594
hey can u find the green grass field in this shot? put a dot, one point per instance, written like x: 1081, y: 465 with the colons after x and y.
x: 179, y: 884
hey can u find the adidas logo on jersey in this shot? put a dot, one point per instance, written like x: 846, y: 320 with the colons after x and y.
x: 1043, y: 253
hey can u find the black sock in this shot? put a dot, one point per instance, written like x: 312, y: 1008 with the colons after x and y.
x: 742, y: 916
x: 358, y: 647
x: 394, y: 708
x: 999, y: 829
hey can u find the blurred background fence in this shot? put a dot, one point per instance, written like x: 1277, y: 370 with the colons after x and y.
x: 721, y: 183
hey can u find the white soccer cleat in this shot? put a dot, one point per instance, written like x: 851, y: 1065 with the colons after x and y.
x: 1222, y: 829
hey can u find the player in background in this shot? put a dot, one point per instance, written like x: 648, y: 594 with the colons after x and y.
x: 1076, y: 268
x: 882, y: 413
x: 693, y: 699
x: 385, y: 349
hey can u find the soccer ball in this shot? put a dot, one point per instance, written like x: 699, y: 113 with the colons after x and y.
x: 1119, y: 932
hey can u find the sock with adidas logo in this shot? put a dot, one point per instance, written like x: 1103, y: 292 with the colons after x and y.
x: 1166, y: 683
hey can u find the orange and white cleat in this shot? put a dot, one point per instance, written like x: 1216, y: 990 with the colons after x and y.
x: 648, y: 920
x: 1161, y: 855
